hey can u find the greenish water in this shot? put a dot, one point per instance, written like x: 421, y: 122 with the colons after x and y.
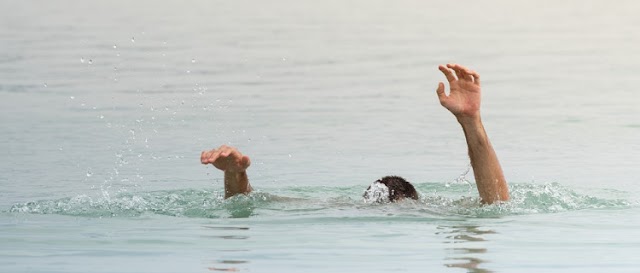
x: 437, y: 200
x: 545, y: 227
x: 105, y: 107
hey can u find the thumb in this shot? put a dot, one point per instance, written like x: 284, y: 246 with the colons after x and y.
x: 440, y: 91
x: 245, y: 161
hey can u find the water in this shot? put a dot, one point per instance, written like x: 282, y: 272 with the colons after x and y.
x: 106, y: 106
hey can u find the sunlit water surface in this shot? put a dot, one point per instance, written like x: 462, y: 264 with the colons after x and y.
x: 106, y: 105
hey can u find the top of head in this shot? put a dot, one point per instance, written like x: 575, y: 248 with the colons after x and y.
x: 390, y: 189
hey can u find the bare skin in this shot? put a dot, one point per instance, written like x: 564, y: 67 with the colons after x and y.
x: 463, y: 102
x: 234, y: 165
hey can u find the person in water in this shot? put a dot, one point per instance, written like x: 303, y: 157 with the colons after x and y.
x: 463, y: 101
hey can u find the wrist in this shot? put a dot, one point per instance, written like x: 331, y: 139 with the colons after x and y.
x: 234, y: 172
x: 468, y: 120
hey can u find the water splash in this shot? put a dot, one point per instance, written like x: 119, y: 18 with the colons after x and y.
x: 462, y: 178
x: 525, y: 199
x: 179, y: 203
x: 437, y: 200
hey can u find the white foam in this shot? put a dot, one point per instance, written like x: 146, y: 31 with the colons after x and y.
x: 376, y: 193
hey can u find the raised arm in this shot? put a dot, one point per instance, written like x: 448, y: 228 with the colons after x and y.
x: 463, y: 102
x: 234, y: 165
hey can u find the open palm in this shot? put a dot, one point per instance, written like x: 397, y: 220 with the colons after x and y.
x: 464, y: 96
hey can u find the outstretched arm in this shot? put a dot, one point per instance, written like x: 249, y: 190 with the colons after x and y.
x: 463, y: 102
x: 234, y: 165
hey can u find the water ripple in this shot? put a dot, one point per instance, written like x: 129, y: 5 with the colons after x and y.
x: 438, y: 200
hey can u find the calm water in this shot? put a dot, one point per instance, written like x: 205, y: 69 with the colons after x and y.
x: 106, y: 105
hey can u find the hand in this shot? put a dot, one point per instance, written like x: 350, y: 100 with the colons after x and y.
x: 463, y: 100
x: 226, y: 158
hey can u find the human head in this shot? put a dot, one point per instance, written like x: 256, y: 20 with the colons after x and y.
x: 390, y: 189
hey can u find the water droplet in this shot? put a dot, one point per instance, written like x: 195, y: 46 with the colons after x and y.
x: 72, y: 97
x: 115, y: 68
x: 193, y: 61
x: 101, y: 117
x: 45, y: 85
x: 90, y: 61
x: 284, y: 59
x: 289, y: 155
x: 81, y: 60
x: 133, y: 40
x: 114, y: 46
x: 188, y: 71
x: 89, y: 173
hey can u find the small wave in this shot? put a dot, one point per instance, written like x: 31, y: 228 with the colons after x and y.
x: 525, y: 199
x: 437, y: 200
x: 182, y: 203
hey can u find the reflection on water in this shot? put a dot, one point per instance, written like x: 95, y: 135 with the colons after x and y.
x: 226, y: 228
x: 229, y: 237
x: 229, y: 269
x: 467, y: 247
x: 226, y: 262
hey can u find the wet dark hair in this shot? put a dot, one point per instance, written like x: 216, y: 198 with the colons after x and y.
x: 399, y: 188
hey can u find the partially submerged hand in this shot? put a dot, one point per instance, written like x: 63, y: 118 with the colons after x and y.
x: 234, y: 164
x: 226, y: 158
x: 463, y: 102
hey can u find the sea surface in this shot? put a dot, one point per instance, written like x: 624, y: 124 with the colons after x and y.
x: 105, y: 107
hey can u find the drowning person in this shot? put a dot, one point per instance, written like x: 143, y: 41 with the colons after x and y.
x: 463, y: 101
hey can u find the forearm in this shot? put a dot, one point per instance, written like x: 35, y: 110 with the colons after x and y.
x: 236, y: 183
x: 486, y: 168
